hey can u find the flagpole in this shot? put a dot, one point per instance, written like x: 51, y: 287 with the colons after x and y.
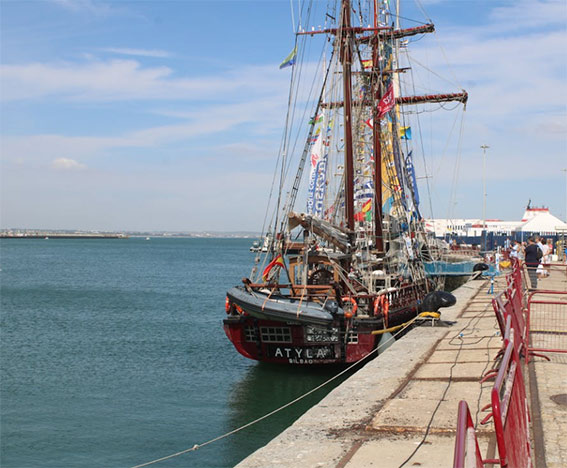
x: 565, y: 171
x: 484, y: 148
x: 346, y: 61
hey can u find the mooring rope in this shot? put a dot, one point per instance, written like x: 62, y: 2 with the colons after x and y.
x: 301, y: 397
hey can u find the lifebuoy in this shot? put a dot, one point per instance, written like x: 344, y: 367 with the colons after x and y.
x: 240, y: 310
x: 382, y: 303
x: 350, y: 313
x: 227, y: 305
x: 377, y: 302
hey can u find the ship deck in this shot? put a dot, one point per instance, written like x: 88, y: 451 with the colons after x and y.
x: 401, y: 408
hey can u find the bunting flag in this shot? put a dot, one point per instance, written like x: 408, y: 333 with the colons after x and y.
x: 290, y: 59
x: 277, y: 261
x: 364, y: 191
x: 367, y: 63
x: 370, y: 122
x: 387, y: 102
x: 360, y: 216
x: 365, y: 214
x: 405, y: 133
x: 316, y: 120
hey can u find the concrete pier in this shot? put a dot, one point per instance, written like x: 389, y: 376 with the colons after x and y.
x: 401, y: 408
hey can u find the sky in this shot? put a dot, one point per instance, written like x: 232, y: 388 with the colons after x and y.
x: 168, y: 115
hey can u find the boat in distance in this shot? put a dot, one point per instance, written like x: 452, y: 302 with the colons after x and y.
x: 345, y: 242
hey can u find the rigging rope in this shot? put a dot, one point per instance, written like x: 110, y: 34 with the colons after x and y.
x: 293, y: 30
x: 421, y: 143
x: 414, y: 60
x: 420, y: 6
x: 453, y: 197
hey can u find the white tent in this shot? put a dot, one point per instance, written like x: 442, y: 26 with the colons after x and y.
x: 543, y: 223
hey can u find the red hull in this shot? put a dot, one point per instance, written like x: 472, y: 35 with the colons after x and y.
x: 283, y: 343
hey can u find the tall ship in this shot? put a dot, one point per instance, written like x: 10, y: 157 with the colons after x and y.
x: 344, y: 243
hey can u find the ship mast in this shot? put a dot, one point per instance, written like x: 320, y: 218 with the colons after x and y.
x: 377, y: 149
x: 345, y: 36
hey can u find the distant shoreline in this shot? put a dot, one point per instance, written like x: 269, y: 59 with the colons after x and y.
x: 63, y: 236
x: 125, y: 235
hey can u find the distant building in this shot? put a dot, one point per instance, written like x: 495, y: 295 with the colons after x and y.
x: 537, y: 220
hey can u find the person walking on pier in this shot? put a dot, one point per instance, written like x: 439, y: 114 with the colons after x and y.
x: 515, y: 250
x: 549, y: 257
x: 533, y: 257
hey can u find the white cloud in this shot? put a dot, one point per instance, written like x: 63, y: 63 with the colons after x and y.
x: 529, y: 14
x: 88, y: 6
x: 117, y: 80
x: 137, y: 52
x: 182, y: 199
x: 516, y: 82
x: 67, y: 164
x: 35, y: 149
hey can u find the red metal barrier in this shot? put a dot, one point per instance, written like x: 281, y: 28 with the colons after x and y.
x: 509, y: 404
x: 515, y: 277
x: 467, y: 452
x: 514, y: 295
x: 510, y: 413
x: 508, y: 308
x: 546, y: 323
x: 518, y: 322
x: 498, y: 304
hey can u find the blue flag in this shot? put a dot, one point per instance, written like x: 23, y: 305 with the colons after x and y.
x: 411, y: 173
x: 405, y: 133
x: 290, y: 59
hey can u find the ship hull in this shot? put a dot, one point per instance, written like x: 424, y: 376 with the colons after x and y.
x: 284, y: 342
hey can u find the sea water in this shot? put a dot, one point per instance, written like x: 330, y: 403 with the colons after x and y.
x: 113, y: 354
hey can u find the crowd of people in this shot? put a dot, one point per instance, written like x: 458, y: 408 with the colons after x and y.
x: 535, y: 253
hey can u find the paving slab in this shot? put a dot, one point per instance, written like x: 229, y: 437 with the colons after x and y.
x: 471, y: 371
x: 471, y: 342
x: 392, y: 451
x: 478, y: 316
x: 435, y: 390
x: 415, y: 416
x: 551, y: 380
x: 288, y: 453
x: 464, y: 355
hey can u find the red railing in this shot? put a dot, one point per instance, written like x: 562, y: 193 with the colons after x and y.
x: 541, y: 273
x: 502, y: 310
x: 538, y: 325
x: 546, y: 322
x: 515, y: 279
x: 509, y: 405
x: 510, y: 413
x: 467, y: 452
